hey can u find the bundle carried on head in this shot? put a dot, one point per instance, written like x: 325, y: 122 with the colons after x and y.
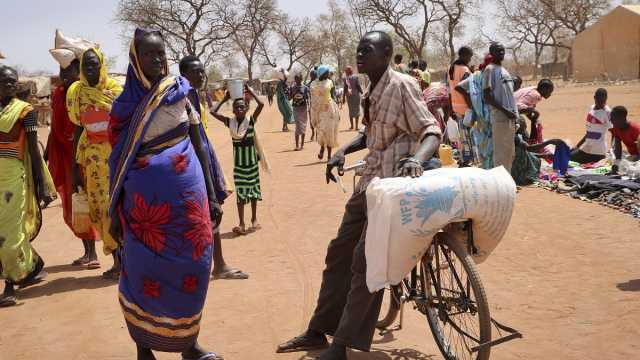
x: 67, y: 49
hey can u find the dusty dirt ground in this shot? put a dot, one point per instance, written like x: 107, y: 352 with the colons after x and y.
x: 567, y: 274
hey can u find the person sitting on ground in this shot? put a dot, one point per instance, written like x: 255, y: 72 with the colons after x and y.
x: 193, y: 70
x: 527, y: 99
x: 246, y: 155
x: 593, y: 145
x: 526, y: 165
x: 624, y: 132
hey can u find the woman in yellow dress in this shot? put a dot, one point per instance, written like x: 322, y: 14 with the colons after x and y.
x: 25, y: 182
x: 89, y: 103
x: 325, y: 109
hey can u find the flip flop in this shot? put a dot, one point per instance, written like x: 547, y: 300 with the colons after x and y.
x: 94, y: 264
x: 255, y: 227
x: 239, y: 231
x: 81, y: 261
x: 36, y: 280
x: 8, y: 301
x: 207, y: 356
x: 231, y: 274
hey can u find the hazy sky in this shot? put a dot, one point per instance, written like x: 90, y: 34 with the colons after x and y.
x: 28, y: 29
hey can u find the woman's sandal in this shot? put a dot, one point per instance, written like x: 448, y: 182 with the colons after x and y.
x: 255, y: 227
x: 81, y: 261
x: 8, y: 301
x: 231, y: 274
x: 93, y: 264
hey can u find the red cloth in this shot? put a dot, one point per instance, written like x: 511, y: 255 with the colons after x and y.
x: 629, y: 137
x: 60, y: 145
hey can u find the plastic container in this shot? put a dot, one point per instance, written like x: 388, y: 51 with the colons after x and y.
x: 446, y: 155
x: 236, y: 88
x: 80, y: 219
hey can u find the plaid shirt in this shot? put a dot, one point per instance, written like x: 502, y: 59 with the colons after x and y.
x: 396, y: 120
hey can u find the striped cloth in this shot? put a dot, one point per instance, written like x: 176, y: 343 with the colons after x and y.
x: 246, y: 173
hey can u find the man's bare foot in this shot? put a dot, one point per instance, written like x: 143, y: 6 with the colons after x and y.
x: 198, y: 353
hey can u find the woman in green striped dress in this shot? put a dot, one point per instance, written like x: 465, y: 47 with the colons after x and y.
x: 246, y: 157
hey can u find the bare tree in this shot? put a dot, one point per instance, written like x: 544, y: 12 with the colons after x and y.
x: 362, y: 24
x: 576, y: 15
x: 528, y: 22
x: 338, y: 35
x: 252, y: 20
x: 453, y: 12
x: 190, y: 27
x: 409, y: 19
x: 296, y: 41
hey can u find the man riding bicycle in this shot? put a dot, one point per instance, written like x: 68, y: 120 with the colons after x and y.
x: 400, y: 134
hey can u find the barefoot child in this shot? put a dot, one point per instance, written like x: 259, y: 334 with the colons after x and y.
x: 246, y: 173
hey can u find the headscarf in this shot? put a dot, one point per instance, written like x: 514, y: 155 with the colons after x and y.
x: 130, y: 114
x: 102, y: 95
x: 323, y: 69
x: 488, y: 59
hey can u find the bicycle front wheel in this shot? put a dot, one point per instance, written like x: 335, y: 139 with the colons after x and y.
x: 457, y: 309
x: 390, y: 306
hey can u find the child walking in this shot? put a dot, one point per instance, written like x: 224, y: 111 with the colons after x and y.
x: 246, y: 157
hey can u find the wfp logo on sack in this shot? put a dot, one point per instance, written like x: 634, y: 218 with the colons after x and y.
x: 426, y: 203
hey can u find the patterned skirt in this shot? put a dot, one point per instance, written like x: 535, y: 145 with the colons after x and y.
x: 167, y: 252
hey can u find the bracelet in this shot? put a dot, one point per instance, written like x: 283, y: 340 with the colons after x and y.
x: 413, y: 160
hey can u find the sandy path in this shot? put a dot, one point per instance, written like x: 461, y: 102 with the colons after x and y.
x: 566, y: 274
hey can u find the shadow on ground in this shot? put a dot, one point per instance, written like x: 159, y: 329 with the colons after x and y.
x: 631, y: 285
x: 64, y: 285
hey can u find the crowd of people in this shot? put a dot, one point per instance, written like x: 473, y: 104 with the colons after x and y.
x: 108, y: 143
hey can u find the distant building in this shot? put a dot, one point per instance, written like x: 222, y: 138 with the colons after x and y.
x: 610, y: 48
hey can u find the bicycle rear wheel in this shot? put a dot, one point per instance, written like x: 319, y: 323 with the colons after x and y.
x: 457, y: 309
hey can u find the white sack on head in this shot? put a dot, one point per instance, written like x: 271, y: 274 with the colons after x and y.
x: 64, y: 57
x: 77, y: 45
x: 404, y: 214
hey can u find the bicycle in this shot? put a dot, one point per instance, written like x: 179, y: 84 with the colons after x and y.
x: 445, y: 286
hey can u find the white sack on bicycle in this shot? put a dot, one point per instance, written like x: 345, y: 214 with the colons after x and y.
x: 404, y: 214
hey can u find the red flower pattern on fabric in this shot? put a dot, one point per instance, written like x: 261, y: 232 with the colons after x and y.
x: 190, y: 283
x: 147, y: 220
x: 199, y: 223
x: 180, y: 163
x: 151, y: 288
x: 141, y: 163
